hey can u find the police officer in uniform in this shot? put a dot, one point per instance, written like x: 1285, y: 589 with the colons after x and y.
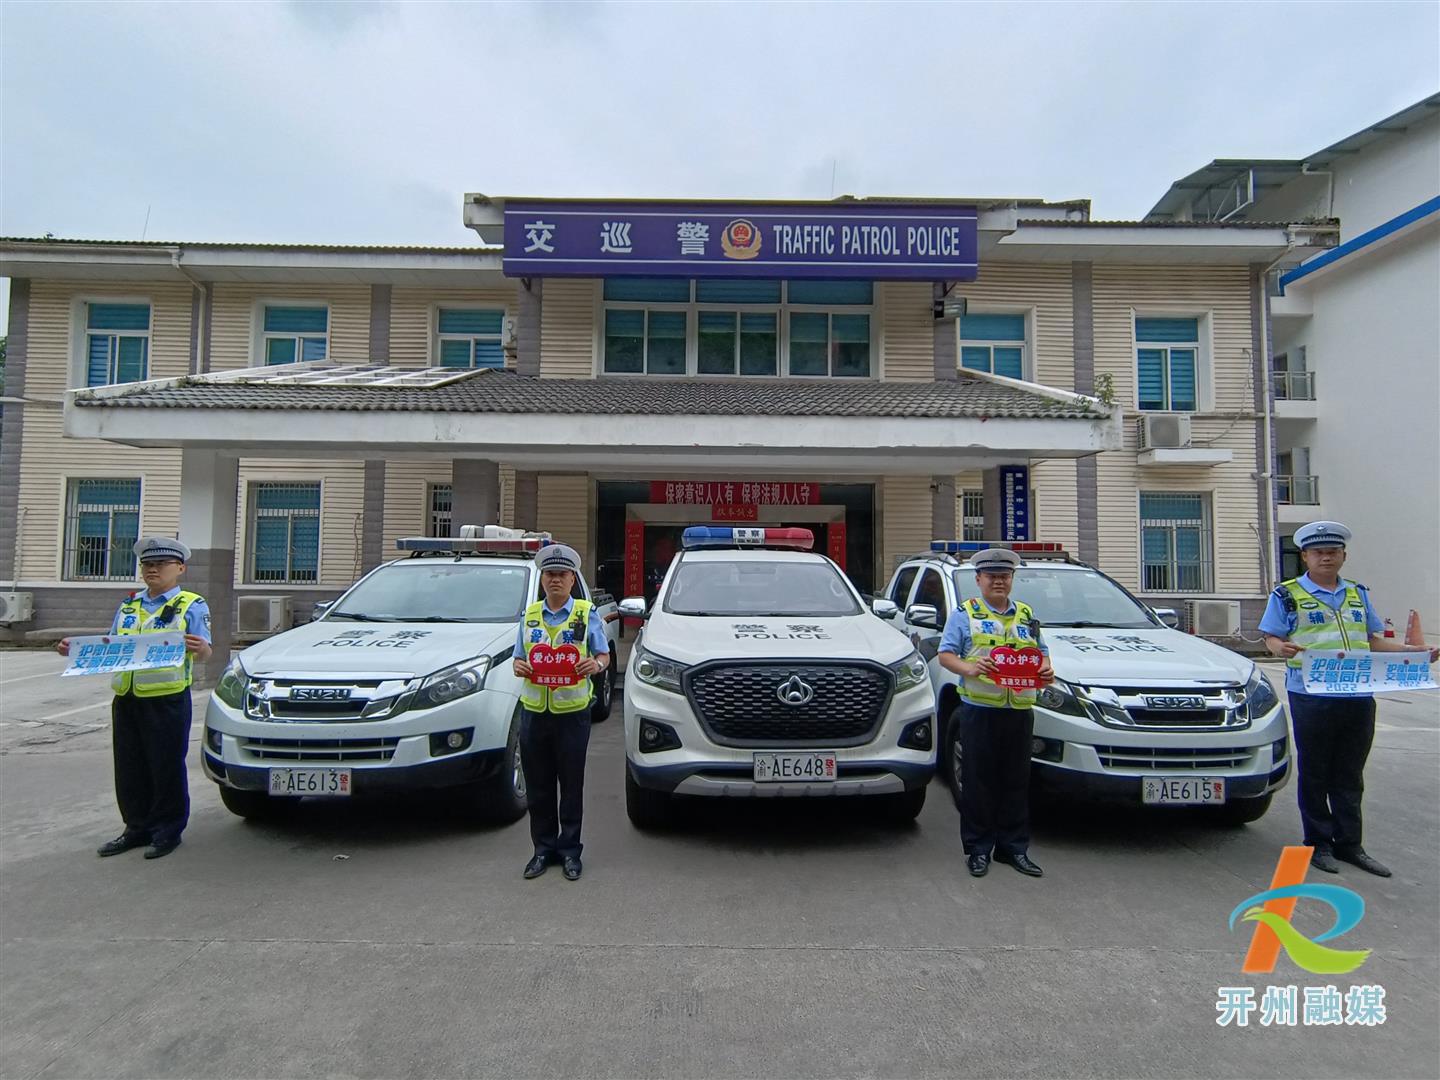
x: 150, y: 715
x: 1333, y: 733
x: 996, y: 724
x: 555, y: 721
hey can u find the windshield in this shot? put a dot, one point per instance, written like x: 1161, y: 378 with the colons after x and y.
x: 758, y: 589
x: 427, y: 591
x: 1067, y: 597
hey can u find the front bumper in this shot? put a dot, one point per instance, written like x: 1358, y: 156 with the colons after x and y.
x: 484, y: 766
x: 699, y: 766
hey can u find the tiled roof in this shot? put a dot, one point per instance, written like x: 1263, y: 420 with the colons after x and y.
x: 497, y: 391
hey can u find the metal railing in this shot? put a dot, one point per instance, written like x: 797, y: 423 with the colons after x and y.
x: 1297, y: 490
x: 1294, y: 386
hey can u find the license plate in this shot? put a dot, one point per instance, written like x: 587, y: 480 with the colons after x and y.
x: 808, y: 767
x: 1182, y: 791
x: 309, y: 781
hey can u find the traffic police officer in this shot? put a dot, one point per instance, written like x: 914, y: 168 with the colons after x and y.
x: 555, y: 720
x: 1333, y: 732
x: 150, y: 714
x: 996, y: 724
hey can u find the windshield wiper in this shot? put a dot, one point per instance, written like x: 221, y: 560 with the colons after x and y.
x: 439, y: 618
x: 1085, y: 624
x: 353, y: 615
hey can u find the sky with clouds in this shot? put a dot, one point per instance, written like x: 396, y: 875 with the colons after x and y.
x: 365, y: 123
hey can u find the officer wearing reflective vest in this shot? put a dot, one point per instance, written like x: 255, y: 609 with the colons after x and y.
x: 150, y: 714
x: 996, y: 724
x: 555, y: 719
x: 1333, y: 732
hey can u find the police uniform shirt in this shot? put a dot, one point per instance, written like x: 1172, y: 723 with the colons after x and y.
x: 594, y: 631
x: 956, y: 635
x: 1278, y: 622
x: 197, y: 615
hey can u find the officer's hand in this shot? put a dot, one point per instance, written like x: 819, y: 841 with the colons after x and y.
x: 1289, y: 649
x: 194, y: 643
x: 1046, y: 674
x: 984, y: 666
x: 1435, y: 655
x: 523, y: 670
x: 587, y: 666
x: 63, y: 646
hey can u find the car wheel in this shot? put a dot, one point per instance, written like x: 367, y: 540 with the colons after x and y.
x: 604, y: 695
x: 953, y: 753
x: 1242, y: 811
x: 646, y: 809
x: 903, y: 808
x: 256, y: 805
x: 502, y: 799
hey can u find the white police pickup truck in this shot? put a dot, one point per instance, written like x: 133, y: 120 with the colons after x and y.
x: 404, y: 682
x: 1138, y: 712
x: 760, y: 672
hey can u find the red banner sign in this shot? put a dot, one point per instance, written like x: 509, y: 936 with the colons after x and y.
x: 738, y: 512
x: 835, y: 542
x: 550, y: 666
x: 634, y: 558
x: 1017, y: 669
x: 733, y: 492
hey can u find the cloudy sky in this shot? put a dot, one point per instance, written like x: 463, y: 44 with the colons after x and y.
x: 361, y: 123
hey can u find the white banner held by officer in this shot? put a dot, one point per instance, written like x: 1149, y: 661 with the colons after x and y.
x: 107, y: 654
x: 1329, y: 671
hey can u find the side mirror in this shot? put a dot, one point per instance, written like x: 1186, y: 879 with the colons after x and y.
x: 321, y: 606
x: 1169, y: 616
x: 885, y: 609
x: 633, y: 607
x: 923, y: 616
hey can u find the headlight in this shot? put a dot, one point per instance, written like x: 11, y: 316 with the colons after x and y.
x: 451, y: 683
x: 1061, y: 697
x: 912, y: 671
x: 657, y: 670
x: 1260, y: 698
x: 231, y: 687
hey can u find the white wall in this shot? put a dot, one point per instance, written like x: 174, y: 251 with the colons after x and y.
x: 1393, y: 175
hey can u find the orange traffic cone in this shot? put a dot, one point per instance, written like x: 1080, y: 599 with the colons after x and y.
x: 1413, y: 634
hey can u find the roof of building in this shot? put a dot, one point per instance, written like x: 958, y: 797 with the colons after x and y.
x: 228, y: 245
x: 503, y: 391
x: 1271, y: 173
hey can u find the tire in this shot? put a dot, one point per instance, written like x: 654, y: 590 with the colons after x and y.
x: 944, y: 767
x: 648, y: 810
x: 1243, y: 811
x: 604, y: 695
x: 902, y: 808
x: 953, y: 752
x: 501, y: 801
x: 255, y: 805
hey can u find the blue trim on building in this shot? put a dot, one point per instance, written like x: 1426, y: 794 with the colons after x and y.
x: 1365, y: 239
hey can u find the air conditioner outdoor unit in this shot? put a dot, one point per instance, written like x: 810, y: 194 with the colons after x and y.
x: 1165, y: 431
x: 1214, y: 618
x: 17, y: 607
x: 262, y: 614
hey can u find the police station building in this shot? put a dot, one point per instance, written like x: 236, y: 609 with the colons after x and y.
x: 880, y: 371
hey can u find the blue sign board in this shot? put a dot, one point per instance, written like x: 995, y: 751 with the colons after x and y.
x: 885, y: 241
x: 1014, y: 502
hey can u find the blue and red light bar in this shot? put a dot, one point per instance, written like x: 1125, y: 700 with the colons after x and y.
x: 725, y: 536
x: 477, y: 545
x: 1020, y: 547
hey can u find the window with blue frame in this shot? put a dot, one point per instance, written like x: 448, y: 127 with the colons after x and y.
x: 117, y: 343
x: 993, y: 343
x: 284, y: 532
x: 102, y: 523
x: 470, y: 338
x: 1167, y: 356
x: 835, y: 342
x: 1175, y: 542
x: 291, y: 333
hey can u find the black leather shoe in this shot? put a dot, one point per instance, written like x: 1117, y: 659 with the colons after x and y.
x: 1357, y: 857
x: 979, y: 864
x: 160, y: 848
x: 536, y: 866
x: 124, y: 842
x: 1022, y: 862
x: 1322, y: 859
x: 572, y: 868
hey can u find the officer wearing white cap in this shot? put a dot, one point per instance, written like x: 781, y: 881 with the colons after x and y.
x: 996, y: 724
x: 555, y: 719
x: 150, y: 714
x: 1333, y: 733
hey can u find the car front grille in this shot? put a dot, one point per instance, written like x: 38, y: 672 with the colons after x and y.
x: 740, y: 705
x: 1174, y: 759
x: 364, y: 699
x: 321, y: 750
x: 1219, y: 707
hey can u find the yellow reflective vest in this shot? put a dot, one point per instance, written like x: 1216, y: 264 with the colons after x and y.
x: 1319, y: 626
x: 989, y: 631
x: 557, y: 699
x: 134, y: 619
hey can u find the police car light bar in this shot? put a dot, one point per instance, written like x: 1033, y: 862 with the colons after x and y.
x: 477, y: 545
x: 1020, y: 547
x: 698, y: 536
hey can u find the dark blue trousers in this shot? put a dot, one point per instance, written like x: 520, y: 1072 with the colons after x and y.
x: 1332, y: 741
x: 552, y: 753
x: 150, y: 738
x: 995, y: 779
